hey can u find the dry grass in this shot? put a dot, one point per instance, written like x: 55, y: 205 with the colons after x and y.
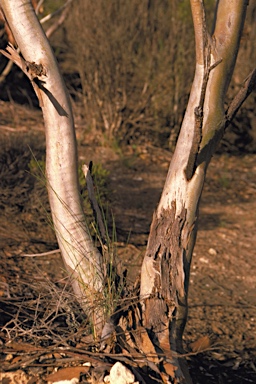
x: 134, y: 61
x: 133, y: 66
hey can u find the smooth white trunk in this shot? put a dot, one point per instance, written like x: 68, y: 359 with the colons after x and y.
x: 83, y: 261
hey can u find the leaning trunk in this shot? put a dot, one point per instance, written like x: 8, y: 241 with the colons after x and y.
x: 82, y: 260
x: 166, y: 265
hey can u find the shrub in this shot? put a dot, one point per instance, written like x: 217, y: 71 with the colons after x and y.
x: 132, y: 67
x: 135, y: 63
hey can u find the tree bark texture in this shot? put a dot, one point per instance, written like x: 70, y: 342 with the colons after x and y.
x: 166, y: 265
x: 82, y: 259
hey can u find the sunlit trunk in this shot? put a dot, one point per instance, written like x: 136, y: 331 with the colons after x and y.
x: 166, y: 265
x: 82, y: 260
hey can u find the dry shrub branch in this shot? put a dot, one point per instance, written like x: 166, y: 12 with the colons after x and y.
x: 134, y: 61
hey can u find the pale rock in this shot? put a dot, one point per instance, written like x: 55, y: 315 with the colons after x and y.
x: 204, y: 260
x: 119, y: 374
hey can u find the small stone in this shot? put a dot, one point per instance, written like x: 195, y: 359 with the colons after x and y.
x: 204, y: 260
x: 119, y: 374
x: 212, y: 251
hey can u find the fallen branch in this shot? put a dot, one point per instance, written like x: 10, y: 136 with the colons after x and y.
x: 41, y: 254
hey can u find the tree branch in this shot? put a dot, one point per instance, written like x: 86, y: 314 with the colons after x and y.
x: 63, y: 13
x: 94, y: 203
x: 226, y: 38
x: 248, y: 86
x: 201, y: 35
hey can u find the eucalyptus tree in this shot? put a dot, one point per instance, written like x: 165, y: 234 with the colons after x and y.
x: 166, y: 265
x: 82, y: 259
x: 165, y: 269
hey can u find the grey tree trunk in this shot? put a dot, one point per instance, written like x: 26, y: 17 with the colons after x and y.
x: 82, y: 259
x: 166, y: 265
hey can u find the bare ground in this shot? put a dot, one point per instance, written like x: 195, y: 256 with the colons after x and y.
x: 34, y: 298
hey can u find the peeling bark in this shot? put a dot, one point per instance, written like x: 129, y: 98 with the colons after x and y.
x: 165, y: 256
x: 166, y: 265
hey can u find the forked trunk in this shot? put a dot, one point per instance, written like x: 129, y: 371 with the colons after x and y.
x: 166, y: 265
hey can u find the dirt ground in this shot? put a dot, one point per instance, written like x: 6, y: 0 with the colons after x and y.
x: 33, y: 290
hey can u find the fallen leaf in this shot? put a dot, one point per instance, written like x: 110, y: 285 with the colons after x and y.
x: 201, y: 344
x: 145, y: 344
x: 16, y: 359
x: 23, y: 347
x: 67, y: 373
x: 4, y: 290
x: 170, y: 369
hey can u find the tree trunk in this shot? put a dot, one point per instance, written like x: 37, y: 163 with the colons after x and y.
x: 166, y: 265
x: 82, y: 259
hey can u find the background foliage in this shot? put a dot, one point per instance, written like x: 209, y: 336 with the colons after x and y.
x: 135, y: 64
x: 129, y: 67
x: 131, y: 86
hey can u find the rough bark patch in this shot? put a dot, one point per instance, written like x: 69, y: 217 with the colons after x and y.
x: 165, y: 246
